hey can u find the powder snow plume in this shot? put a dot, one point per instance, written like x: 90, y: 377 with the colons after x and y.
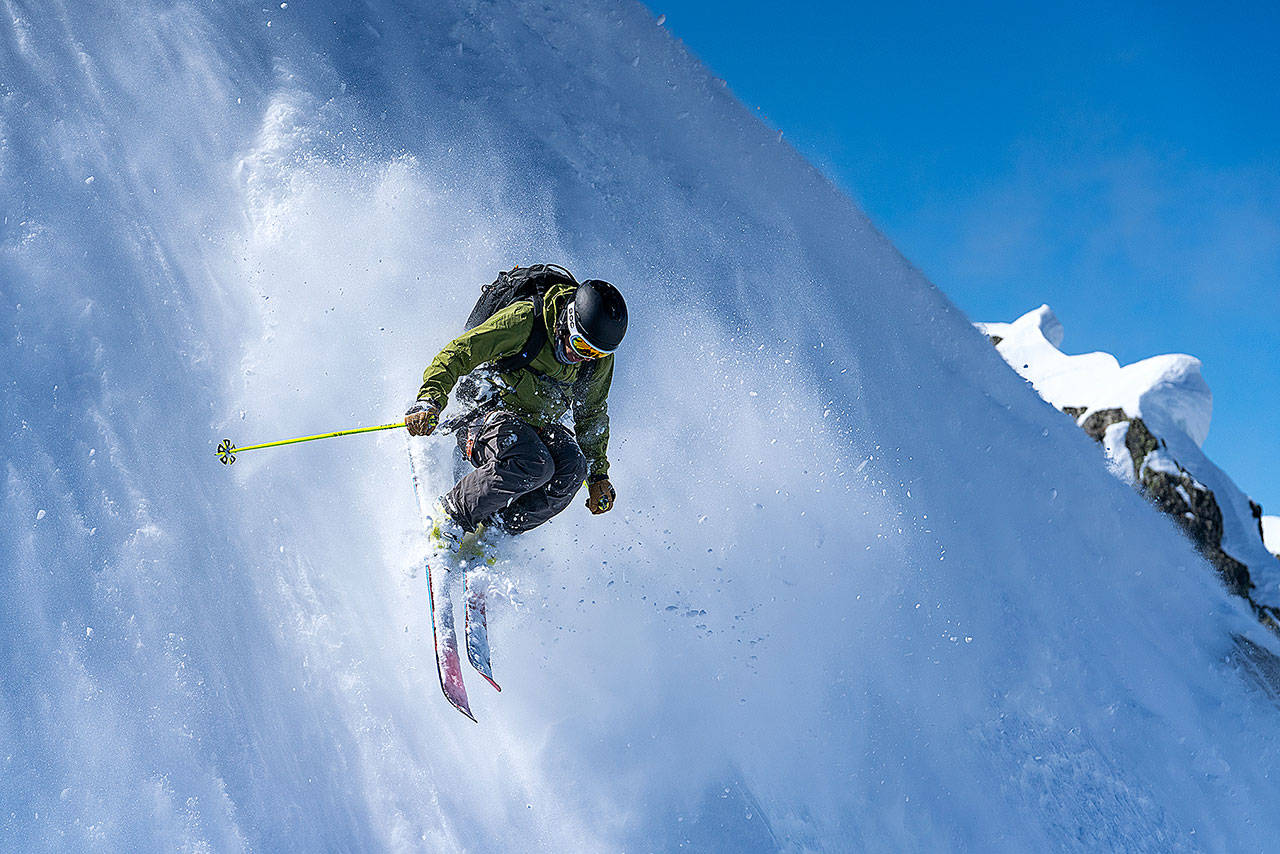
x: 863, y: 589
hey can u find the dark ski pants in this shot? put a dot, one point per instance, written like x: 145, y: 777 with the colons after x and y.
x: 523, y: 476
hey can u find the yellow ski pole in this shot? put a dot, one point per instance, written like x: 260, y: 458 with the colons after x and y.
x: 227, y: 452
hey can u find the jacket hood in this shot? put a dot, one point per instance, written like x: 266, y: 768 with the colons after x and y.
x: 553, y: 302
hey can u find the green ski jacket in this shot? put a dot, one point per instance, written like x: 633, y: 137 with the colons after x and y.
x: 541, y: 393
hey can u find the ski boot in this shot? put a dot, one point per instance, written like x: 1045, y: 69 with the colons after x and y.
x: 456, y: 543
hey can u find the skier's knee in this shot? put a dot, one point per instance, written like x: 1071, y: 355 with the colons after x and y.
x: 571, y: 473
x: 530, y: 469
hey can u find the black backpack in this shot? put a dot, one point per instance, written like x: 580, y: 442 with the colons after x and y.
x: 512, y: 286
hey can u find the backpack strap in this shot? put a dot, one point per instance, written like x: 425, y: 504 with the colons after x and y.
x: 533, y: 346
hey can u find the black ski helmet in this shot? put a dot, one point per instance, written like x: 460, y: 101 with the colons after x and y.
x: 601, y: 314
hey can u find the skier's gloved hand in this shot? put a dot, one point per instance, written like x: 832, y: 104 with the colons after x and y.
x: 600, y: 496
x: 422, y: 418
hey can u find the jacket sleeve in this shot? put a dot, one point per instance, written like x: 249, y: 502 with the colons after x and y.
x: 502, y: 335
x: 591, y: 418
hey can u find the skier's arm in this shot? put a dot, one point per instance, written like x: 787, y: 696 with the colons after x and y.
x: 502, y: 335
x: 591, y: 419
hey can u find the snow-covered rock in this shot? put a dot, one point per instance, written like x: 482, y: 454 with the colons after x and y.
x: 1169, y: 387
x: 1152, y: 418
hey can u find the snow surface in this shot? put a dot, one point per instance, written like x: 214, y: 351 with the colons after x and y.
x: 1119, y: 460
x: 1271, y: 533
x: 1168, y: 393
x: 863, y: 589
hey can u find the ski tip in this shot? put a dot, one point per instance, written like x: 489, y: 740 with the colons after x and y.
x: 461, y: 704
x: 457, y: 697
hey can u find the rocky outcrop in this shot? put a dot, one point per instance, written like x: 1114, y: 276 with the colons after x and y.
x: 1172, y: 489
x: 1256, y: 509
x: 1152, y: 418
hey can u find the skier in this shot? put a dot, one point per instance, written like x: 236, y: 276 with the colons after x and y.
x: 528, y: 361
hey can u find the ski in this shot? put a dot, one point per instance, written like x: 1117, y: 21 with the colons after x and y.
x: 448, y: 662
x: 477, y: 628
x: 440, y: 600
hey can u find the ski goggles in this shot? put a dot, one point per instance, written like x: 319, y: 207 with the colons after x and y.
x: 578, y: 342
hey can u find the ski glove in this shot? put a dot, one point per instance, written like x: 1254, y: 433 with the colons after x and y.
x: 422, y: 418
x: 600, y: 496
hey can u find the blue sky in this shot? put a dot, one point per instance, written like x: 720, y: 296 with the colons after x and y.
x: 1119, y: 161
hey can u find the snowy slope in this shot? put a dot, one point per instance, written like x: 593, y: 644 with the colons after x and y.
x: 863, y: 588
x: 1167, y: 392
